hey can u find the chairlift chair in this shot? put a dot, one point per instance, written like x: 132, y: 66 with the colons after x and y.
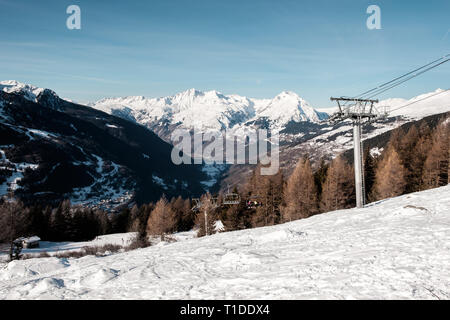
x: 231, y: 198
x: 253, y: 202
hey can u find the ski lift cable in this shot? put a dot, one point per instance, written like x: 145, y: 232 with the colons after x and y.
x: 402, y: 76
x: 399, y: 80
x: 393, y: 85
x: 408, y: 104
x: 376, y: 93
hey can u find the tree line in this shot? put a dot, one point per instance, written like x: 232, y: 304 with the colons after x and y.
x: 67, y: 222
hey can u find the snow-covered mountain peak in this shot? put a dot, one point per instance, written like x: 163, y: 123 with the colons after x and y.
x: 291, y: 98
x: 289, y: 106
x: 287, y: 94
x: 212, y: 109
x: 29, y: 92
x: 193, y: 96
x: 188, y: 94
x: 10, y: 83
x: 43, y: 96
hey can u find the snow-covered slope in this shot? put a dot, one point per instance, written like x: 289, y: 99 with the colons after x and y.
x: 211, y: 109
x: 426, y: 104
x: 421, y: 106
x: 394, y: 249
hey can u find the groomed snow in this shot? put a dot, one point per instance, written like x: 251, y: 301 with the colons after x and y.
x: 395, y: 249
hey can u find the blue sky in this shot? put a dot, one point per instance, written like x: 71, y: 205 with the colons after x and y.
x: 253, y: 48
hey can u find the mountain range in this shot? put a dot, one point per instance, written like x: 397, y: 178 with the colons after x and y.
x: 303, y: 129
x: 119, y: 148
x: 211, y: 110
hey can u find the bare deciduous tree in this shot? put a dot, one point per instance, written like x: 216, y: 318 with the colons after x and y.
x: 390, y: 178
x: 161, y: 220
x: 436, y: 166
x: 338, y: 191
x: 300, y: 194
x: 205, y: 217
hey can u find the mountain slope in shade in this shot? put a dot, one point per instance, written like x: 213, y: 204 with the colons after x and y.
x: 51, y: 149
x: 393, y: 249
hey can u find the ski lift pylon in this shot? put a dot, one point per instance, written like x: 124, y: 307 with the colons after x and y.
x: 197, y: 203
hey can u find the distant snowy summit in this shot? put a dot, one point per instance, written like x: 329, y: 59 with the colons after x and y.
x: 29, y: 92
x: 212, y: 110
x: 44, y: 96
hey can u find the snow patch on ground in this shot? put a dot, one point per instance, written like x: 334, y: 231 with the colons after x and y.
x: 16, y: 170
x: 376, y: 152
